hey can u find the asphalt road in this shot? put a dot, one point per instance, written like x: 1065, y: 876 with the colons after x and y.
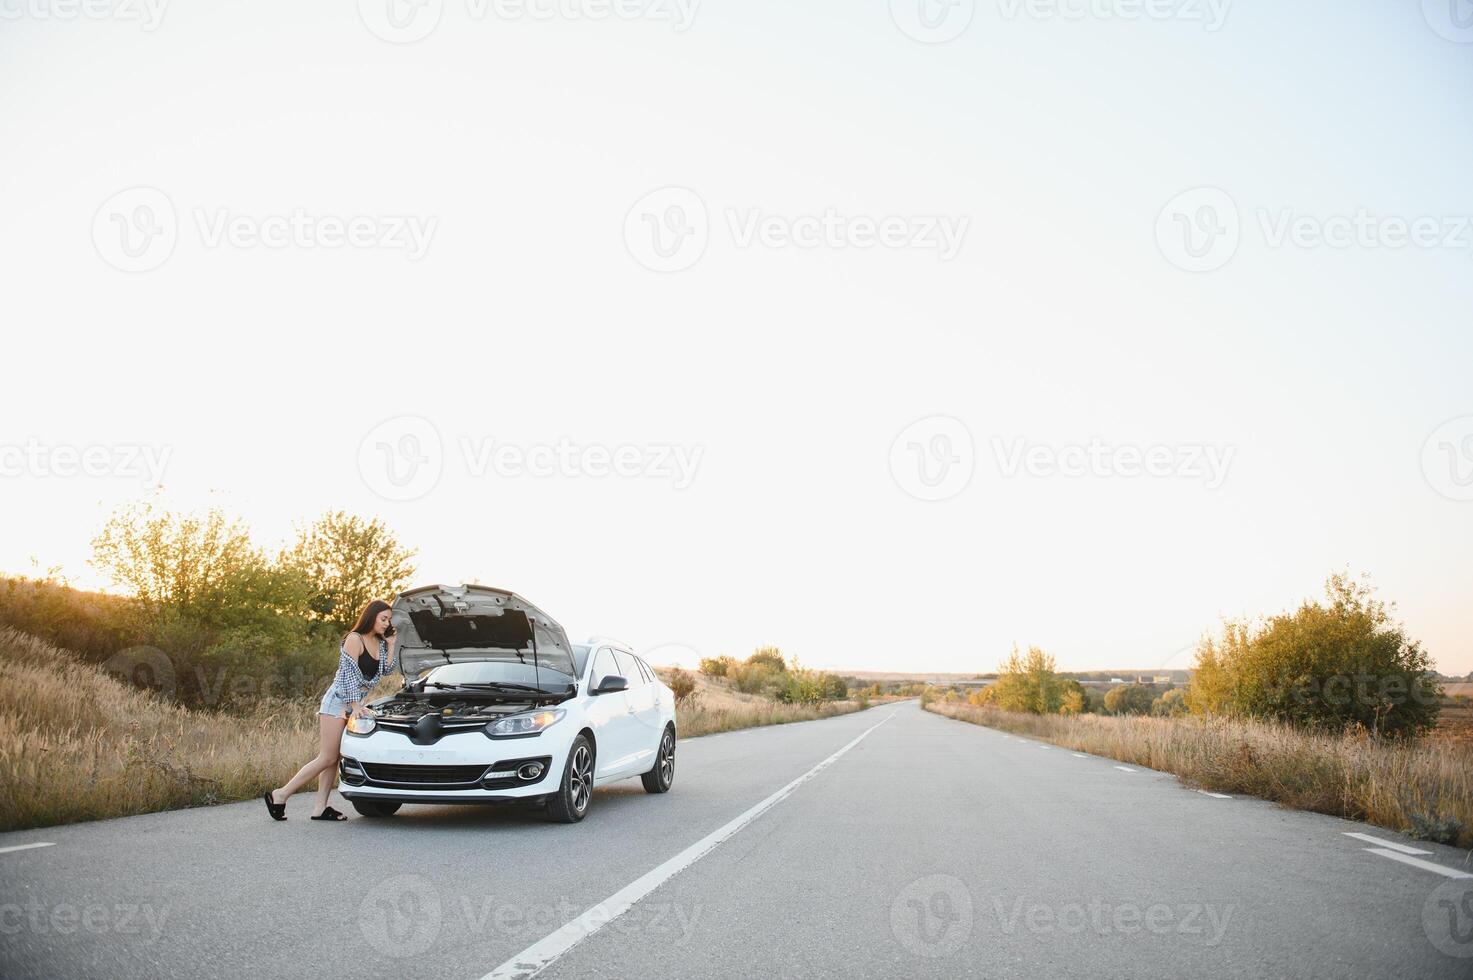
x: 923, y: 847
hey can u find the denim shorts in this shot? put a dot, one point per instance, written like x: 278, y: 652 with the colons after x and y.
x: 333, y: 705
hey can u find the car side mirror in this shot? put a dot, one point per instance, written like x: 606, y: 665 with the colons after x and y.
x: 611, y: 684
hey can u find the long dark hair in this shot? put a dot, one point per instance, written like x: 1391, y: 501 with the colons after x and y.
x: 369, y: 614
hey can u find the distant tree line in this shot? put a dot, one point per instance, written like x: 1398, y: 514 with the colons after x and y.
x: 1340, y: 663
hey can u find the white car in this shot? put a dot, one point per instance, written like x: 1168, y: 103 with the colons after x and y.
x: 498, y: 707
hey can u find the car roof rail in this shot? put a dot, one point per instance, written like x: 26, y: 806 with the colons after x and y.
x: 598, y: 638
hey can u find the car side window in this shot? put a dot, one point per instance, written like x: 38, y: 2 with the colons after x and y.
x: 647, y: 670
x: 629, y: 669
x: 603, y: 666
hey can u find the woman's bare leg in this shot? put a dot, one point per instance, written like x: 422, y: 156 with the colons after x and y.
x: 330, y: 730
x: 332, y: 734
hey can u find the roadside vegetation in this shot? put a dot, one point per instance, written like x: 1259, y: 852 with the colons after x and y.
x: 79, y: 744
x: 198, y: 683
x: 705, y: 705
x: 1331, y: 708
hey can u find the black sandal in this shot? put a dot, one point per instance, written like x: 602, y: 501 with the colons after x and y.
x: 277, y: 810
x: 329, y: 813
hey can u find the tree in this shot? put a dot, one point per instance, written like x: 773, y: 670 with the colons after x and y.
x: 1028, y: 683
x: 1129, y: 699
x: 1344, y: 662
x: 1171, y: 704
x: 717, y: 666
x: 1073, y: 700
x: 349, y: 562
x: 201, y: 568
x: 770, y: 657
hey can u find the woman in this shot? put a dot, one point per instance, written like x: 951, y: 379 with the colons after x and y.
x: 358, y: 668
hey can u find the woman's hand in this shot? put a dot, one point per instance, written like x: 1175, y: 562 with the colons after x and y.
x: 360, y: 712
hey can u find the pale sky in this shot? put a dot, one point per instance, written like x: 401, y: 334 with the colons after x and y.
x: 883, y: 265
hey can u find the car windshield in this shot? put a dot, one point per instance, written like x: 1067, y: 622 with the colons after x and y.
x: 496, y: 672
x: 580, y: 658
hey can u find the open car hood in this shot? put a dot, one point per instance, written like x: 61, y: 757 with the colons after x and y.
x: 443, y: 624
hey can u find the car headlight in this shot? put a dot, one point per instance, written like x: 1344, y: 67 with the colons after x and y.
x: 361, y: 726
x: 529, y: 723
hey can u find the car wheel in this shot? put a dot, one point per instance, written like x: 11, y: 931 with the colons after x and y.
x: 662, y: 776
x: 570, y: 803
x: 376, y: 808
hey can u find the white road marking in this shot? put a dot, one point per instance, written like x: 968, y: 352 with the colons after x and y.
x: 540, y: 955
x: 1079, y: 755
x: 27, y: 847
x: 1215, y: 796
x: 1419, y: 863
x: 1125, y: 769
x: 1386, y: 843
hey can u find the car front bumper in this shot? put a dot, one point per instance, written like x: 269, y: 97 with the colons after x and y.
x: 466, y: 767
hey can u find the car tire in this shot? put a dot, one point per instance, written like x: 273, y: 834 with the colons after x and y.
x: 570, y: 803
x: 376, y: 808
x: 660, y: 778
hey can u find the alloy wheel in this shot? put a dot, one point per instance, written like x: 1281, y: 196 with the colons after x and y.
x: 581, y: 781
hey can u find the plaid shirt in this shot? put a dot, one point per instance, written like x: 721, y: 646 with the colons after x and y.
x: 350, y: 684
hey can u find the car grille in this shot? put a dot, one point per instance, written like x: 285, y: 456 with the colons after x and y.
x: 422, y: 775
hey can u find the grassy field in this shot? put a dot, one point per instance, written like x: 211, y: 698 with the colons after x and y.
x: 1455, y: 720
x: 1425, y: 788
x: 78, y: 744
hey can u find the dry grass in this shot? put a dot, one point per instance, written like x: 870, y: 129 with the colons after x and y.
x: 716, y: 706
x: 77, y: 744
x: 1455, y: 720
x: 1425, y: 787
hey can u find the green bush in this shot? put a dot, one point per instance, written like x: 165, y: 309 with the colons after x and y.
x: 682, y: 685
x: 754, y: 678
x: 1334, y: 665
x: 1130, y: 699
x: 91, y: 625
x: 769, y: 657
x: 1027, y: 683
x: 800, y: 687
x: 1171, y: 704
x: 717, y: 666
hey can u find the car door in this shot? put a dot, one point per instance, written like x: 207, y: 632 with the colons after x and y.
x: 614, y: 727
x: 643, y: 709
